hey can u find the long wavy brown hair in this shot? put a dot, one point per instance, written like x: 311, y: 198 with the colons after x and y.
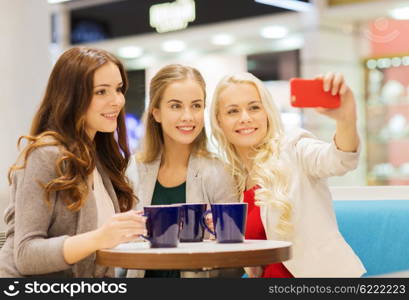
x: 60, y: 121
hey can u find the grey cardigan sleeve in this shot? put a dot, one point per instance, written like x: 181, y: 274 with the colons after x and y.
x: 34, y: 251
x: 220, y: 187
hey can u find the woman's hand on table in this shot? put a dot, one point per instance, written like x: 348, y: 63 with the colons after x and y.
x: 209, y: 223
x: 121, y: 228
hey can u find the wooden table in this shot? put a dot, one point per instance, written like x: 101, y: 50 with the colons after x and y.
x: 195, y: 256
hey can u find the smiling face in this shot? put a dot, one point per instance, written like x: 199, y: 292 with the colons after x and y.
x: 107, y: 100
x: 181, y: 112
x: 241, y: 115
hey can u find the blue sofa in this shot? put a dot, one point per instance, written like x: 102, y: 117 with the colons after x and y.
x: 378, y: 231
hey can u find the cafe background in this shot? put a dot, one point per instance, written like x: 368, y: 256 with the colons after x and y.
x: 366, y: 40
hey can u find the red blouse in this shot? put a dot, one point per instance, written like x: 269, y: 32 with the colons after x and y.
x: 255, y: 231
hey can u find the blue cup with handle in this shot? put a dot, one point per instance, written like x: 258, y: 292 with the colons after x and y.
x: 163, y: 225
x: 192, y: 222
x: 229, y: 222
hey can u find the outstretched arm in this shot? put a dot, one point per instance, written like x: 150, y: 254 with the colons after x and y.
x: 346, y: 136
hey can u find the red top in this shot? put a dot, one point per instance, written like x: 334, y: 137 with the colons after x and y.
x: 255, y: 231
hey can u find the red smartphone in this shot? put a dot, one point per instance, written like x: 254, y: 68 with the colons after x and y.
x: 310, y: 93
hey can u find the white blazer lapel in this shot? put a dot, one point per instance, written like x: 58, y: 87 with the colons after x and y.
x: 147, y: 181
x: 195, y: 192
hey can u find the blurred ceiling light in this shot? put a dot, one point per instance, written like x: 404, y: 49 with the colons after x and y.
x: 288, y: 4
x: 274, y: 32
x: 222, y: 39
x: 145, y: 61
x: 401, y: 13
x: 384, y: 63
x: 172, y: 16
x: 57, y: 1
x: 288, y: 43
x: 387, y: 62
x: 371, y: 64
x: 173, y: 46
x: 130, y: 52
x: 190, y: 55
x: 396, y: 62
x: 241, y: 48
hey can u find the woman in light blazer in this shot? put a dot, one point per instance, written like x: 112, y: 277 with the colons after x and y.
x: 174, y: 165
x: 282, y: 176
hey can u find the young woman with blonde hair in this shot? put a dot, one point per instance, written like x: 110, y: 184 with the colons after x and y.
x: 69, y: 194
x: 174, y: 164
x: 282, y: 175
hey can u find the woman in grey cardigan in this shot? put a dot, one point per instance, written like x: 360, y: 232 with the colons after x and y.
x: 68, y: 190
x: 174, y: 165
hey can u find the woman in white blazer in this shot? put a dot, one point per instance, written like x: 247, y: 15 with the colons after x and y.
x: 174, y: 164
x: 284, y: 174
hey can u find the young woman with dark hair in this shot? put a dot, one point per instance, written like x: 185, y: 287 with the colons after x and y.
x: 69, y: 193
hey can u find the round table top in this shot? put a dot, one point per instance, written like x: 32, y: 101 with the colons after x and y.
x: 194, y: 256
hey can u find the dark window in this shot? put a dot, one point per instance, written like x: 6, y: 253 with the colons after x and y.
x: 131, y: 17
x: 275, y: 65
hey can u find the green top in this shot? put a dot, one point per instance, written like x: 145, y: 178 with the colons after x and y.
x: 163, y: 196
x: 168, y: 195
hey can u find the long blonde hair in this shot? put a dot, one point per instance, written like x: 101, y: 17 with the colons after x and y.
x: 152, y: 143
x: 269, y: 171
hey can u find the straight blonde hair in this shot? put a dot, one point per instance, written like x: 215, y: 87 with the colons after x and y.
x: 152, y: 143
x: 269, y: 169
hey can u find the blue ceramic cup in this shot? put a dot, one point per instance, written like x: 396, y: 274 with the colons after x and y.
x: 192, y: 222
x: 162, y: 225
x: 229, y: 221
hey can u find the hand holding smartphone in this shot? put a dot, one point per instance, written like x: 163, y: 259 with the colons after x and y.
x: 310, y: 93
